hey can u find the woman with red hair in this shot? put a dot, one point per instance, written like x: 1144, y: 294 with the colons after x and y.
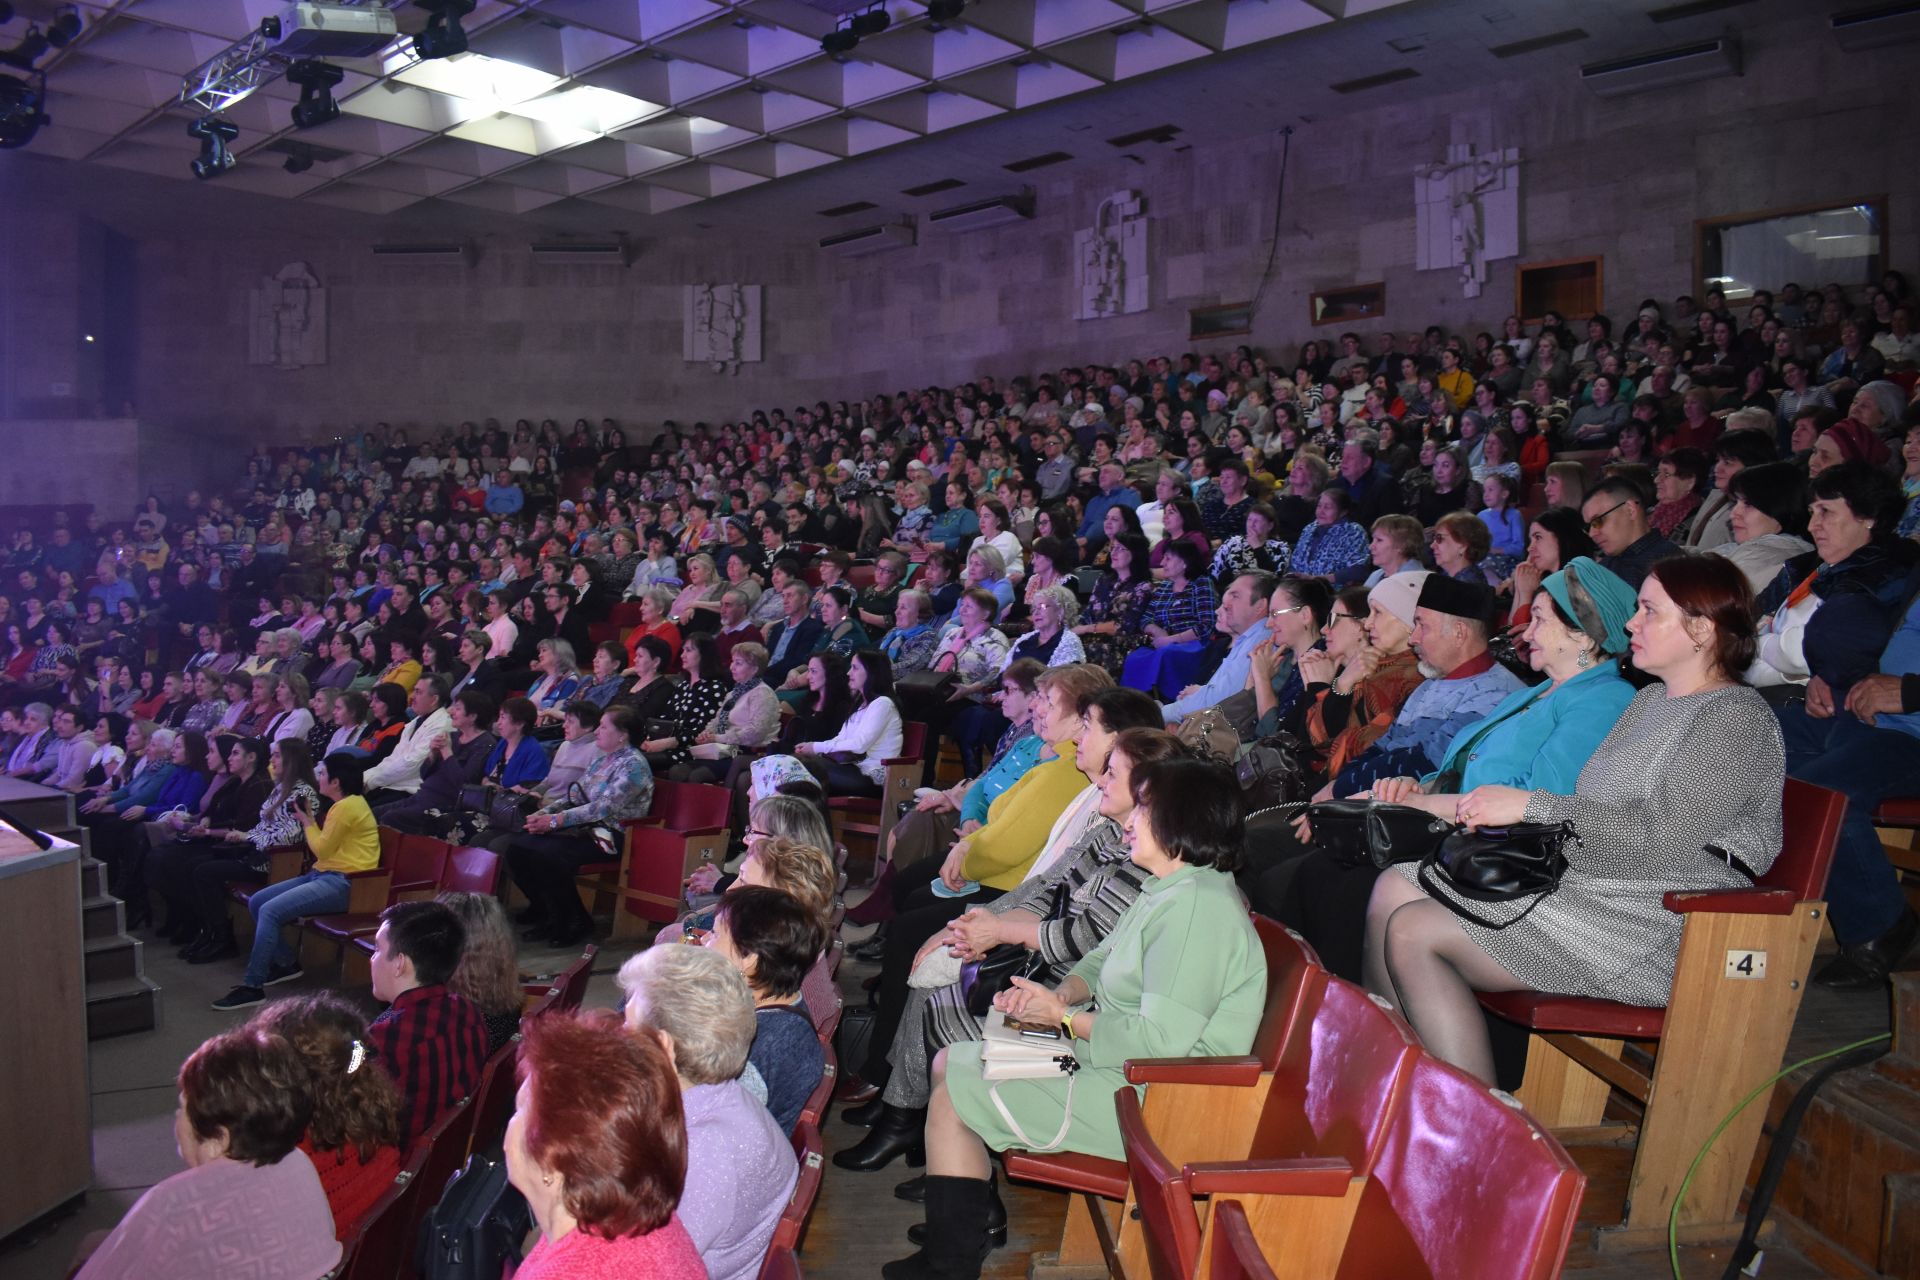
x: 598, y: 1145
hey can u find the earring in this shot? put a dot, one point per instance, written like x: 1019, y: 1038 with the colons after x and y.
x: 1584, y: 658
x: 1697, y: 646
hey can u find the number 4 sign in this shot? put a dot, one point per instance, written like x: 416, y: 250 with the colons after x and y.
x: 1747, y: 964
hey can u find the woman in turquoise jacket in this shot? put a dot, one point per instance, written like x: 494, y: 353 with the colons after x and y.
x: 1182, y: 973
x: 1538, y: 738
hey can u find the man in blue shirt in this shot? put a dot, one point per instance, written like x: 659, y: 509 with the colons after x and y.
x: 1242, y: 614
x: 1114, y: 492
x: 504, y: 497
x: 1868, y: 749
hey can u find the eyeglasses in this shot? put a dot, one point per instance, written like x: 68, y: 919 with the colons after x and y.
x: 1601, y: 519
x: 1275, y: 613
x: 1342, y: 617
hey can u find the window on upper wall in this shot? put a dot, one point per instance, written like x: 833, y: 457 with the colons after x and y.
x: 1842, y: 244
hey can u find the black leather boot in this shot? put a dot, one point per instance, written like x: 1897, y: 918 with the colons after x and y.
x: 956, y: 1231
x: 867, y: 1114
x: 1864, y: 966
x: 996, y: 1224
x: 898, y: 1131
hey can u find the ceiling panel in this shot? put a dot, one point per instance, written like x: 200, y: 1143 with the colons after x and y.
x: 559, y: 99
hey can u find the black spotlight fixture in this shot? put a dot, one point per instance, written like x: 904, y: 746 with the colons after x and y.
x: 299, y: 158
x: 316, y: 81
x: 22, y: 109
x: 939, y: 11
x: 28, y: 51
x: 841, y: 40
x: 65, y: 29
x: 872, y: 22
x: 443, y: 35
x: 214, y: 134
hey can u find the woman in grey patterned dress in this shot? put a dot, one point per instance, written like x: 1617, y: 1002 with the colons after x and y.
x: 1683, y: 792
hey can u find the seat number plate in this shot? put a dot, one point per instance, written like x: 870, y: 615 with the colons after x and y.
x: 1746, y: 964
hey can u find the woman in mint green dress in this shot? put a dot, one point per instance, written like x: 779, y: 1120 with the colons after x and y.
x: 1181, y: 974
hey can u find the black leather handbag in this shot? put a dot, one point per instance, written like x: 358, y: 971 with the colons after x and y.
x: 983, y: 979
x: 1498, y: 864
x: 476, y: 1224
x: 1273, y: 771
x: 1358, y: 833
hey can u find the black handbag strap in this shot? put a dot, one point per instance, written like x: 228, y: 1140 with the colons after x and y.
x: 1430, y: 883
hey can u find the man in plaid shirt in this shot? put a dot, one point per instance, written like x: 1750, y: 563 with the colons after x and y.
x: 431, y: 1041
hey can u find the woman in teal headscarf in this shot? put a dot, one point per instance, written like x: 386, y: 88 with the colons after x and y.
x: 1540, y: 737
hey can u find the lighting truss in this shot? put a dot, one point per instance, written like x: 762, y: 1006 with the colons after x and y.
x: 245, y: 65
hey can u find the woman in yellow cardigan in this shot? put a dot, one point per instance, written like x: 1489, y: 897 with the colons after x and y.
x: 347, y: 841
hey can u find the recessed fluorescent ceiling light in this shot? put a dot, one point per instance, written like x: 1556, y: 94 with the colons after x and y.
x: 587, y: 107
x: 474, y: 77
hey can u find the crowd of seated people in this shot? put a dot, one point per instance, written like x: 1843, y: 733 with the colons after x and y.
x: 1492, y: 577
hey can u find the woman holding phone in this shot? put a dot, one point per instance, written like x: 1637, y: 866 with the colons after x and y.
x: 346, y: 842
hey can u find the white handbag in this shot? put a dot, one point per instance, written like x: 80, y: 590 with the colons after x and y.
x: 1010, y: 1054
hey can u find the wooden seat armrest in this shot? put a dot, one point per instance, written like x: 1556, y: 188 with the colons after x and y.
x: 368, y: 874
x: 1242, y: 1071
x: 697, y: 831
x: 902, y: 760
x: 1306, y: 1176
x: 648, y: 821
x: 412, y: 886
x: 1742, y: 902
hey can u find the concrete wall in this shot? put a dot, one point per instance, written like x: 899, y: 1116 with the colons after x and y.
x: 1622, y: 178
x: 57, y: 461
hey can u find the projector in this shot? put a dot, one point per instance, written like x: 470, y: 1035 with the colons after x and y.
x: 319, y: 30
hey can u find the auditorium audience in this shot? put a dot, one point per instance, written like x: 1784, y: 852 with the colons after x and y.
x: 352, y: 563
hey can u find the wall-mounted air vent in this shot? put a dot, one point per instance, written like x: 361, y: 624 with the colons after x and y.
x: 933, y: 188
x: 611, y: 253
x: 984, y: 213
x: 1159, y: 133
x: 857, y: 244
x: 449, y: 254
x: 1572, y: 35
x: 842, y: 210
x: 1693, y: 9
x: 1861, y: 30
x: 1037, y: 162
x: 1374, y: 82
x: 1685, y: 64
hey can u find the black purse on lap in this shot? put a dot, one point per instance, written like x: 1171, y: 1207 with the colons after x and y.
x: 1359, y: 833
x: 1525, y: 860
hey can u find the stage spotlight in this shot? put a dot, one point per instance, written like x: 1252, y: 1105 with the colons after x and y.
x: 22, y: 112
x: 28, y: 51
x: 63, y: 30
x: 299, y: 159
x: 214, y: 134
x: 839, y: 41
x: 872, y: 22
x: 316, y: 81
x: 944, y: 10
x: 443, y: 36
